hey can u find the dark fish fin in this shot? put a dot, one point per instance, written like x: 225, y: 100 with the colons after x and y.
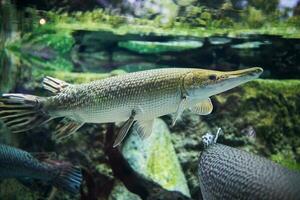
x: 66, y: 128
x: 41, y: 156
x: 54, y: 85
x: 69, y: 179
x: 144, y: 128
x: 124, y: 130
x: 21, y: 112
x: 26, y: 181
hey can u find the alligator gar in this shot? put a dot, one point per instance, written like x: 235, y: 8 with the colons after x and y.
x: 135, y: 97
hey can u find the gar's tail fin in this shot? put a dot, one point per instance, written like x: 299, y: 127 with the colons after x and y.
x: 22, y: 112
x: 69, y: 179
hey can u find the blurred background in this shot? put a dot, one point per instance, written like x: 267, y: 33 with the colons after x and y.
x: 83, y: 40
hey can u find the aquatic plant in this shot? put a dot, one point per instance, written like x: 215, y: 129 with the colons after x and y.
x: 191, y: 23
x: 263, y: 99
x: 266, y: 6
x: 254, y: 18
x: 286, y: 158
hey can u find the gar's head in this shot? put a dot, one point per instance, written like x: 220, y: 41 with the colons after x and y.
x: 205, y: 83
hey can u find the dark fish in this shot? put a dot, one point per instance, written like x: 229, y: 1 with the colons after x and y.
x: 249, y: 131
x: 16, y: 163
x: 229, y: 173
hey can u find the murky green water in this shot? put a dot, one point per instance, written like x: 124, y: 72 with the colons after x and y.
x: 81, y: 41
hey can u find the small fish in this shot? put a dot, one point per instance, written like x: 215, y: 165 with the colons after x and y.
x: 137, y: 97
x: 249, y: 132
x: 16, y: 163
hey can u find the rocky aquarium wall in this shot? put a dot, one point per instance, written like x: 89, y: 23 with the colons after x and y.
x: 82, y: 41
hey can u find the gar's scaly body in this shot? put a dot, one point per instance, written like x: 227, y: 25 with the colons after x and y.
x: 150, y: 93
x: 140, y: 96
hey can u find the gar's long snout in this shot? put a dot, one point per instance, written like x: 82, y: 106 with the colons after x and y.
x: 228, y: 80
x: 253, y: 72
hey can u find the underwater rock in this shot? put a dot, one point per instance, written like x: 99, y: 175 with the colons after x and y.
x: 95, y: 61
x: 124, y: 56
x: 120, y: 192
x: 219, y: 40
x: 229, y: 173
x: 147, y: 47
x: 155, y: 158
x: 250, y: 45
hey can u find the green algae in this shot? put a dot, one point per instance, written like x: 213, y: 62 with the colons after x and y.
x: 120, y: 192
x: 35, y: 48
x: 206, y: 26
x: 60, y: 40
x: 104, y: 168
x: 162, y: 161
x: 271, y: 107
x: 286, y: 159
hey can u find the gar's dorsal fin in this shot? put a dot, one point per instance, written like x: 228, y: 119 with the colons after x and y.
x: 54, y: 85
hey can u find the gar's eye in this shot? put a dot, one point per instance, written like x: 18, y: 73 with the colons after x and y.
x: 212, y: 77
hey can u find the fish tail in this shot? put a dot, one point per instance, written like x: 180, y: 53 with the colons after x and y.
x: 69, y: 179
x: 22, y: 112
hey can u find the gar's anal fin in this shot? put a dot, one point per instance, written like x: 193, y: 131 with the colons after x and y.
x: 66, y: 128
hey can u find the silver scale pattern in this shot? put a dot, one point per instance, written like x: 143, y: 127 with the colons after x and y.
x: 230, y: 173
x: 151, y: 93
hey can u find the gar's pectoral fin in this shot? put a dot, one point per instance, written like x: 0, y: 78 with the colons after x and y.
x: 204, y: 107
x: 66, y: 128
x: 180, y: 109
x: 144, y: 128
x: 54, y: 85
x: 124, y: 130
